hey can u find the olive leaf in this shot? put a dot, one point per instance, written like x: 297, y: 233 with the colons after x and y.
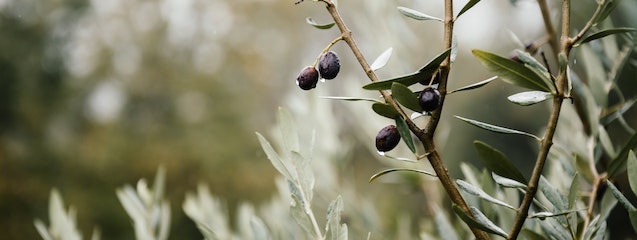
x: 475, y: 85
x: 632, y: 171
x: 497, y: 162
x: 416, y: 14
x: 311, y: 21
x: 406, y: 97
x: 530, y: 97
x: 467, y: 6
x: 423, y: 73
x: 507, y: 182
x: 495, y: 128
x: 511, y: 71
x: 473, y: 190
x: 405, y: 134
x: 381, y: 173
x: 604, y: 33
x: 618, y: 165
x: 381, y: 60
x: 480, y: 221
x: 354, y: 99
x: 385, y: 110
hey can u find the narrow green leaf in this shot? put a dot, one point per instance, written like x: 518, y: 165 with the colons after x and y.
x: 607, y: 8
x: 482, y: 224
x: 507, y: 182
x: 620, y: 197
x: 319, y: 26
x: 559, y: 201
x: 300, y: 216
x: 573, y: 191
x: 606, y: 142
x: 354, y: 99
x: 424, y: 73
x: 633, y: 219
x: 475, y: 85
x: 544, y: 215
x: 467, y: 6
x: 276, y: 161
x: 529, y: 98
x: 381, y: 173
x: 405, y: 134
x: 443, y: 226
x: 632, y: 171
x: 536, y: 67
x: 473, y: 190
x: 385, y: 110
x: 511, y: 71
x: 618, y: 165
x: 497, y: 162
x: 333, y: 225
x: 289, y: 132
x: 495, y: 128
x: 381, y: 60
x: 604, y: 33
x: 406, y: 97
x: 416, y: 14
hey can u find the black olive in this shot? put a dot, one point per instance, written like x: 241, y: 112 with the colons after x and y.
x: 387, y: 138
x: 308, y: 78
x: 429, y: 99
x: 329, y: 65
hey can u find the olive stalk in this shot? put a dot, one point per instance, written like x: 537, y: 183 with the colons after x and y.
x: 424, y: 135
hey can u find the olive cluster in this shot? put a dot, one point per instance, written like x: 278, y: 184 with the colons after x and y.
x: 429, y: 100
x: 328, y: 67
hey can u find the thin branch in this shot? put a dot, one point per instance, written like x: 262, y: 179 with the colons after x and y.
x: 590, y: 23
x: 547, y: 140
x: 425, y: 136
x: 548, y: 24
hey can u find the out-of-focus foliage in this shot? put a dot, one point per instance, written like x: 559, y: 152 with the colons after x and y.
x: 96, y: 94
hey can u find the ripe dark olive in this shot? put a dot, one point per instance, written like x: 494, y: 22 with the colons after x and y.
x: 308, y: 78
x: 387, y: 138
x: 429, y: 99
x: 329, y: 65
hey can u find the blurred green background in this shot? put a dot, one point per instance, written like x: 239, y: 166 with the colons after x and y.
x: 97, y: 94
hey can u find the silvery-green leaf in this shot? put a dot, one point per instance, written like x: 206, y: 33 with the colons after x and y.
x: 305, y: 175
x: 507, y: 182
x: 416, y: 14
x: 351, y: 99
x: 480, y: 224
x: 381, y: 60
x: 300, y: 216
x: 381, y: 173
x: 454, y: 48
x: 405, y: 134
x: 559, y: 201
x: 333, y: 226
x: 473, y: 190
x: 600, y: 234
x: 606, y: 142
x: 620, y: 197
x: 536, y: 66
x: 481, y: 218
x: 495, y: 128
x: 555, y: 230
x: 573, y: 191
x: 42, y: 230
x: 475, y: 85
x: 544, y: 215
x: 443, y: 226
x: 529, y: 98
x: 288, y: 129
x: 276, y: 161
x: 632, y: 171
x: 532, y: 235
x: 319, y: 26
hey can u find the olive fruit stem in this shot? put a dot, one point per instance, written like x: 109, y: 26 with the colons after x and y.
x: 426, y: 135
x: 326, y: 49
